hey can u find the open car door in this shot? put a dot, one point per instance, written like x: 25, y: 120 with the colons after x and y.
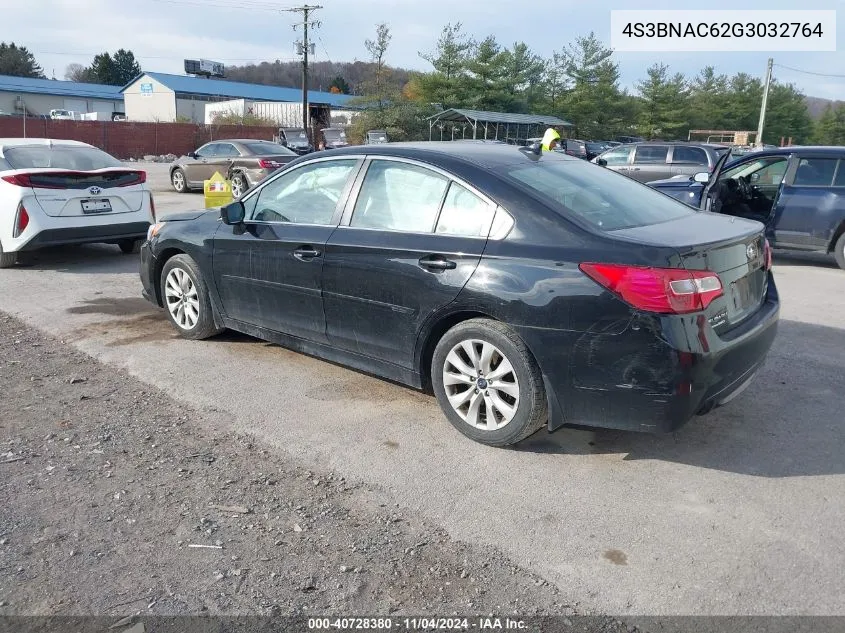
x: 706, y: 202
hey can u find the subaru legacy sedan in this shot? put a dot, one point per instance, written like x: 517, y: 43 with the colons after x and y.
x: 797, y: 192
x: 523, y: 288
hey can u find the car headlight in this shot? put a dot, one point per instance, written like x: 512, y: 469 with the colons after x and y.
x: 154, y: 229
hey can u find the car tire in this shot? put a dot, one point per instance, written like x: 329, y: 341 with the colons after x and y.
x: 7, y: 260
x: 181, y: 283
x: 130, y: 247
x: 839, y: 251
x: 239, y: 183
x: 517, y: 398
x: 178, y: 180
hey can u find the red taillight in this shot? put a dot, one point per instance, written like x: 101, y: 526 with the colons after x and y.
x: 22, y: 180
x: 75, y: 179
x: 21, y: 221
x: 661, y: 290
x: 768, y: 255
x: 152, y: 206
x: 268, y: 164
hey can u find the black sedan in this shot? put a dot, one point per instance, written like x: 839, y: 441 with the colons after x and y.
x: 522, y: 288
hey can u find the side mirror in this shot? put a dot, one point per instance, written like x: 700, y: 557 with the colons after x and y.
x: 233, y: 213
x: 193, y: 155
x: 601, y: 162
x: 703, y: 177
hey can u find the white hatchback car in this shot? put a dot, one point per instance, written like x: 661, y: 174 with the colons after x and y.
x: 65, y: 192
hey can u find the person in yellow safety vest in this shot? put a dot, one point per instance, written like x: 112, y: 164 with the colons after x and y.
x: 551, y: 139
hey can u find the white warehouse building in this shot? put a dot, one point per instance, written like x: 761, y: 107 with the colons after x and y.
x: 36, y: 97
x: 167, y: 98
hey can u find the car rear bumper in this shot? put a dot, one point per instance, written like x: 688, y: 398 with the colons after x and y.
x: 108, y: 233
x: 655, y: 374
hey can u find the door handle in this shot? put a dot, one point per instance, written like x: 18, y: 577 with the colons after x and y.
x: 306, y: 253
x: 437, y: 264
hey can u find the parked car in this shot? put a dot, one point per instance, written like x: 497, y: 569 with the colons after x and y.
x: 654, y: 161
x: 65, y: 192
x: 244, y: 162
x: 375, y: 137
x: 450, y: 267
x: 594, y: 148
x: 332, y: 138
x: 65, y: 115
x: 797, y: 192
x: 295, y: 139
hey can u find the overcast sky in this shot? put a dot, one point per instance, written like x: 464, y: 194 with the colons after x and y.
x: 162, y: 33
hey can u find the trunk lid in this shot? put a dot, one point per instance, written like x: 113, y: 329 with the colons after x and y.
x: 109, y: 191
x: 732, y: 248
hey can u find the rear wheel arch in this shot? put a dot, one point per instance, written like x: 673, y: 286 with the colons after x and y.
x: 840, y: 230
x: 432, y: 334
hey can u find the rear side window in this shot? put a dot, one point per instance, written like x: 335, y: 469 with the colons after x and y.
x: 815, y: 172
x: 465, y: 214
x: 646, y: 154
x: 397, y: 196
x: 266, y: 148
x: 694, y: 155
x: 602, y: 198
x: 59, y: 157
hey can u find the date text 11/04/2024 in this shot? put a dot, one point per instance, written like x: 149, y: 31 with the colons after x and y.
x: 416, y: 624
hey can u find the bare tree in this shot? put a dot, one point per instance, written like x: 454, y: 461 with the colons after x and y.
x: 377, y: 49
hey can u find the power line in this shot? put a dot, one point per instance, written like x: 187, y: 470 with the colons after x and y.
x: 172, y: 57
x: 809, y: 72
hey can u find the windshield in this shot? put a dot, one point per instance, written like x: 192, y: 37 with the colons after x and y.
x: 266, y: 148
x: 334, y: 135
x: 377, y: 136
x: 296, y: 135
x: 604, y: 199
x: 60, y: 157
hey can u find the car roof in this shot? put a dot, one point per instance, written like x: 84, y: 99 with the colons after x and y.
x: 486, y: 154
x: 832, y: 150
x: 6, y: 143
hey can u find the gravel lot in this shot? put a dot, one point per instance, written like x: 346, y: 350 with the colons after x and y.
x: 740, y: 512
x: 117, y: 499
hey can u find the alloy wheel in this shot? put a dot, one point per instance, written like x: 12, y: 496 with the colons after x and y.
x: 237, y: 187
x: 481, y: 384
x: 182, y: 299
x: 178, y: 179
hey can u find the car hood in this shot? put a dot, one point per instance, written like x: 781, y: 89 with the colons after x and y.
x: 183, y: 216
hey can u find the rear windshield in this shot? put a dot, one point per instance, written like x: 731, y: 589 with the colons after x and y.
x: 266, y: 148
x: 60, y: 157
x: 602, y: 198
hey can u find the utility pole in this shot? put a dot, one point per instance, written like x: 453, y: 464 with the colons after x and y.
x: 759, y: 139
x: 303, y: 49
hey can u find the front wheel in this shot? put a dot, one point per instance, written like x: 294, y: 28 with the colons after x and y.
x: 488, y: 383
x: 839, y: 251
x: 186, y: 298
x: 177, y: 179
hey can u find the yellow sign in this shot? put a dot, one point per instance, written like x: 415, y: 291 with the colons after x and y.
x: 217, y: 191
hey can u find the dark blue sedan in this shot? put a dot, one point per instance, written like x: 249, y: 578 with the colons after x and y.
x: 797, y: 192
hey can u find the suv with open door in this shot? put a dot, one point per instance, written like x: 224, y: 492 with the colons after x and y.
x: 797, y: 192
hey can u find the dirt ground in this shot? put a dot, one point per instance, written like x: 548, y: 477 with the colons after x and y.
x: 116, y: 500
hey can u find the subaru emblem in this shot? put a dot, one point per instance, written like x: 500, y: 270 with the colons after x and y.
x: 94, y: 191
x: 751, y: 251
